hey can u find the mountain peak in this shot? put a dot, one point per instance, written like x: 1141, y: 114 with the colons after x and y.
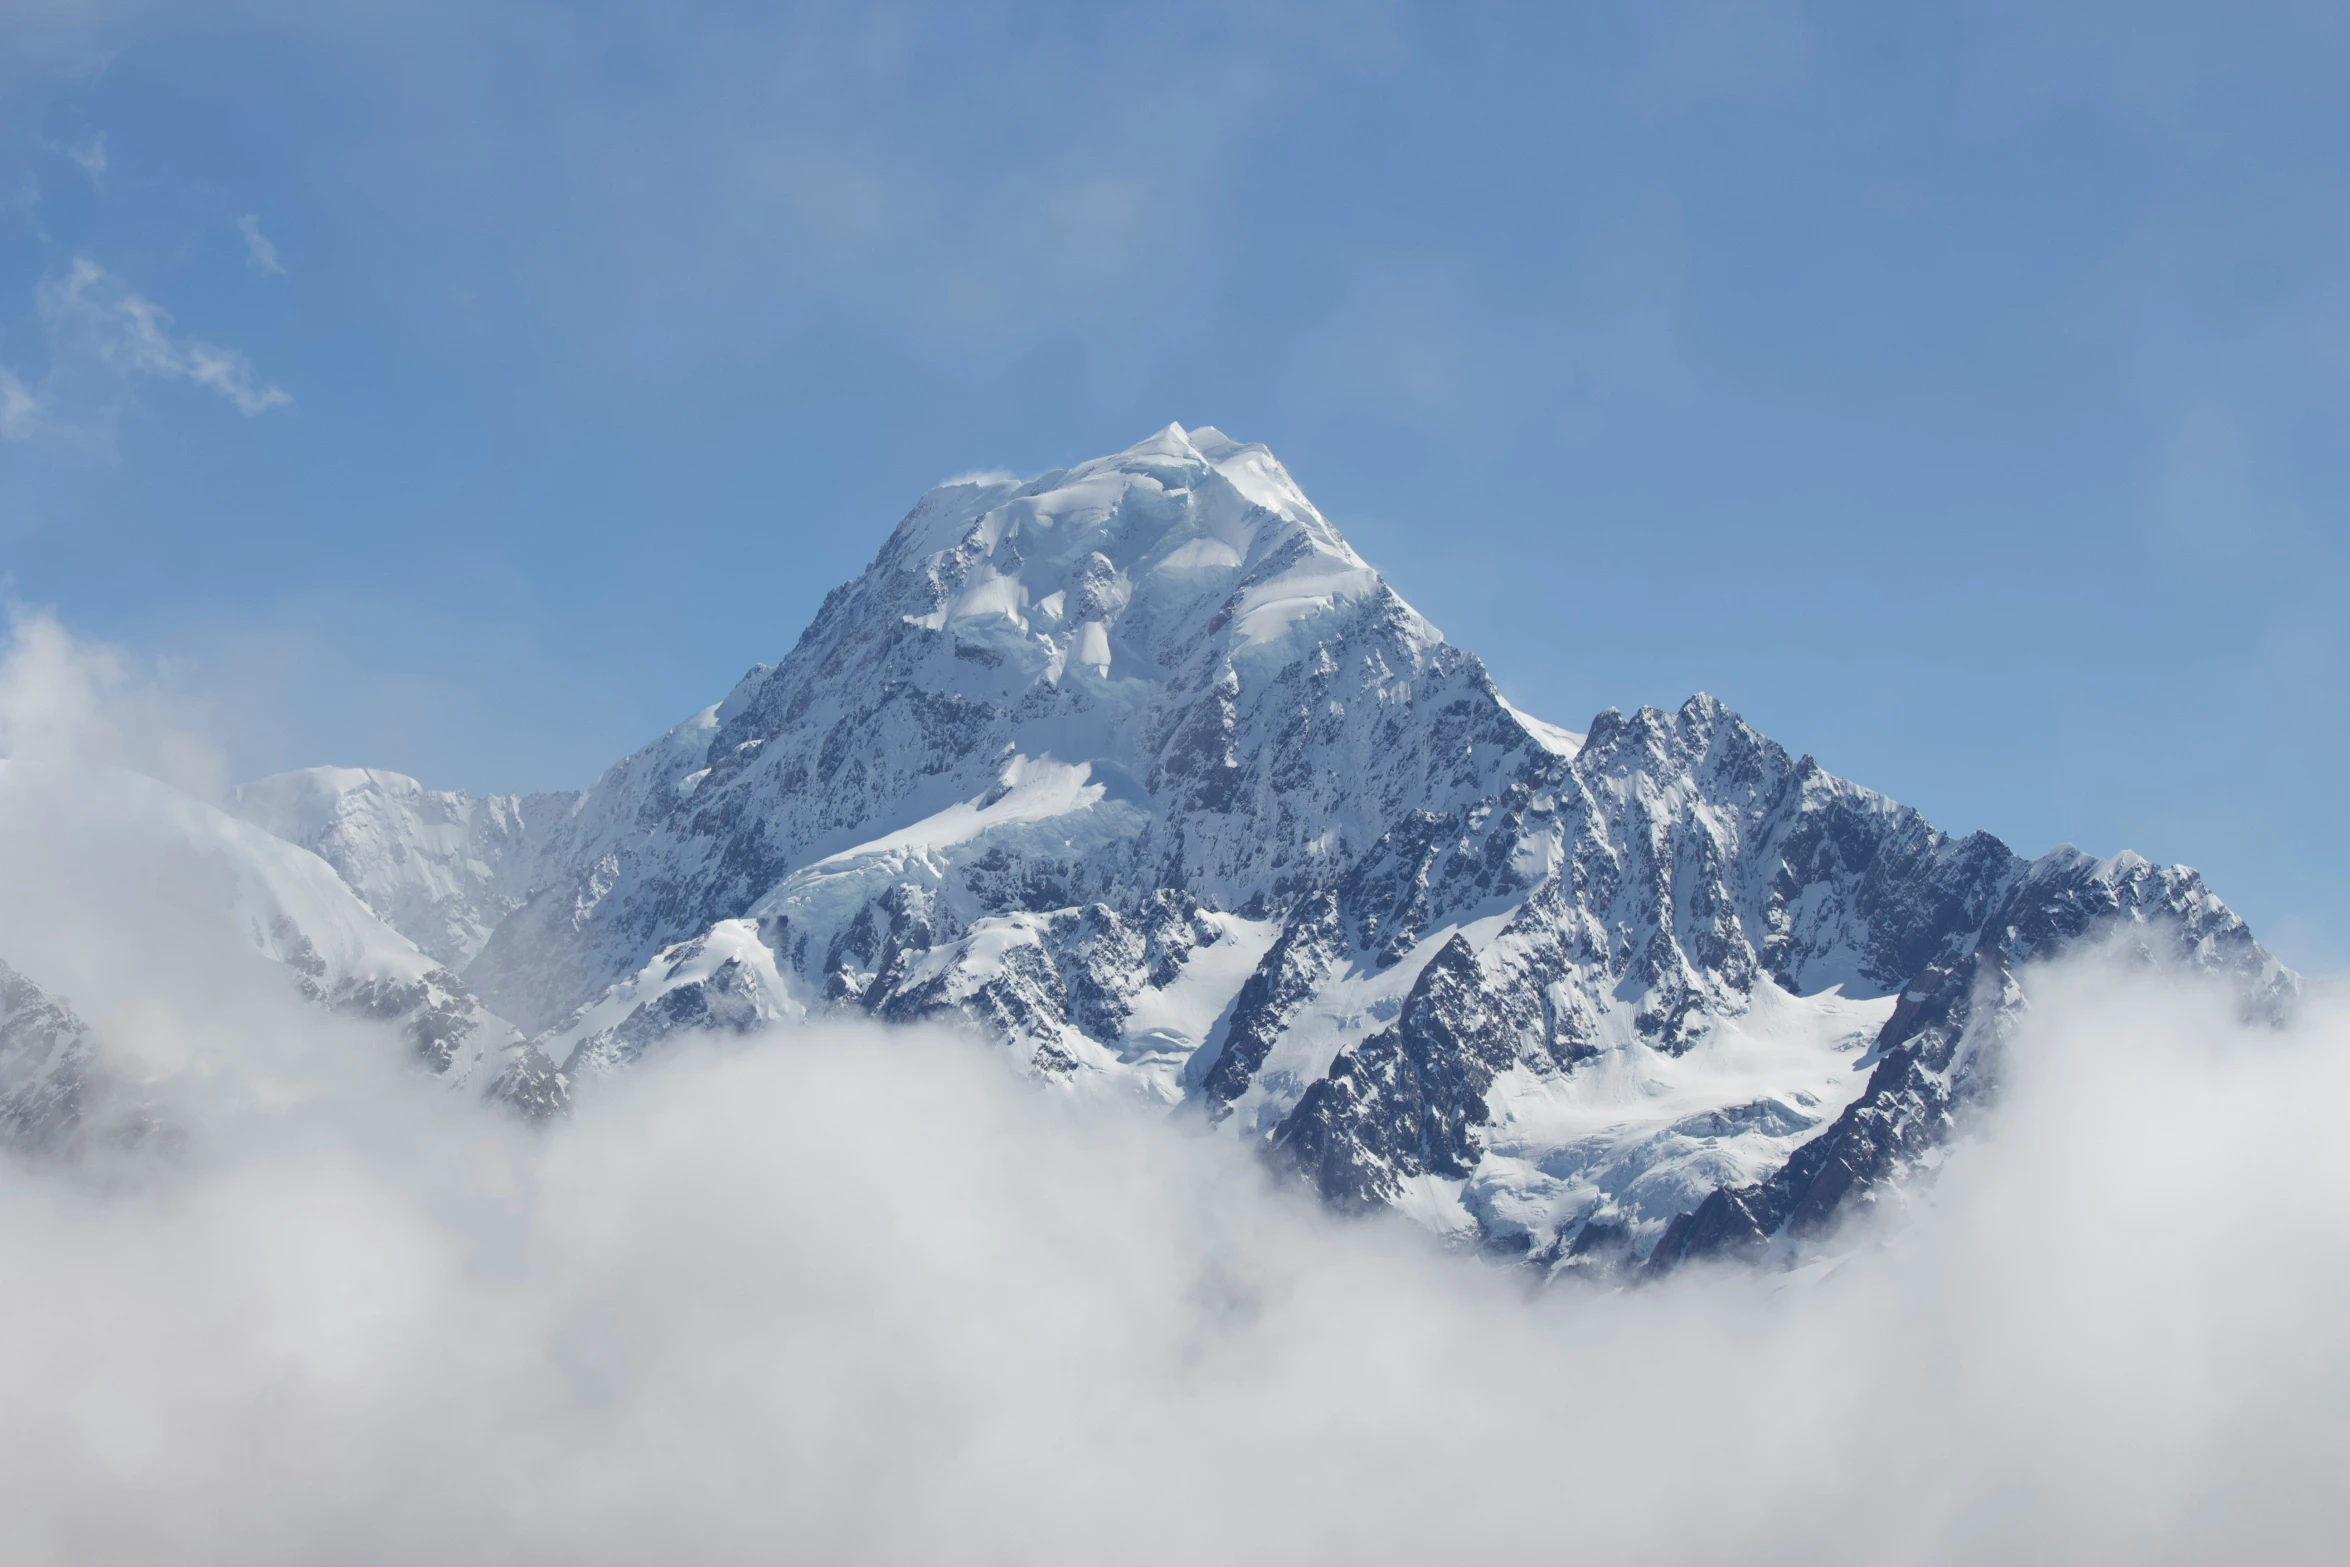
x: 1172, y: 441
x: 1213, y: 684
x: 1139, y: 768
x: 1107, y: 565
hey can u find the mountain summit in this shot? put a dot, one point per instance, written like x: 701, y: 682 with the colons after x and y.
x: 1140, y: 769
x: 1160, y: 670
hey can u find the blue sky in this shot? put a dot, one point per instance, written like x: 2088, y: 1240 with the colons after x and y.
x: 1958, y: 391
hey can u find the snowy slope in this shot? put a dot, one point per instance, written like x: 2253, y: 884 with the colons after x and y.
x: 1141, y: 770
x: 278, y: 900
x: 439, y: 867
x: 724, y: 980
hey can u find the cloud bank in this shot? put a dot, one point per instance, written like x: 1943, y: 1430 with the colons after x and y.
x: 843, y: 1295
x: 68, y: 703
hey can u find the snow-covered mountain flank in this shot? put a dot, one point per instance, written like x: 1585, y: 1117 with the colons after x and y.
x: 1143, y: 772
x: 439, y: 867
x: 231, y: 889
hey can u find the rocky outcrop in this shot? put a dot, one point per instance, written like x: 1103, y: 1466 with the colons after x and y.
x: 48, y: 1067
x: 1939, y: 1053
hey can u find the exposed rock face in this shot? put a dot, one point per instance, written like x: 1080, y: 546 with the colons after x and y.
x: 58, y: 1099
x: 1310, y: 948
x: 1939, y: 1053
x: 723, y: 981
x: 1140, y: 770
x: 48, y: 1067
x: 1680, y: 866
x: 1409, y: 1100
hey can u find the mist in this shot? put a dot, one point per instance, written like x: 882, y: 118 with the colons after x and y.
x: 840, y: 1294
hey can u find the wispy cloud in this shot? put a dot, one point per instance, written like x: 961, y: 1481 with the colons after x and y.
x: 258, y: 247
x: 90, y: 156
x: 20, y: 410
x: 132, y: 334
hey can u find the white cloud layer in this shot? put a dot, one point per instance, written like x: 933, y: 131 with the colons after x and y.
x: 847, y: 1296
x: 69, y: 703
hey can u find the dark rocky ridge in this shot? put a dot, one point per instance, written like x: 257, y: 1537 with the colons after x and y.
x: 1939, y: 1054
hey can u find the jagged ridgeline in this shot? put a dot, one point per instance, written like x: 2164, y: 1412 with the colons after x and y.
x: 1141, y: 771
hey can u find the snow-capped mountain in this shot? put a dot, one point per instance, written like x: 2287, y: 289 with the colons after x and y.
x: 1140, y: 769
x: 1125, y: 675
x: 440, y: 867
x: 261, y: 893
